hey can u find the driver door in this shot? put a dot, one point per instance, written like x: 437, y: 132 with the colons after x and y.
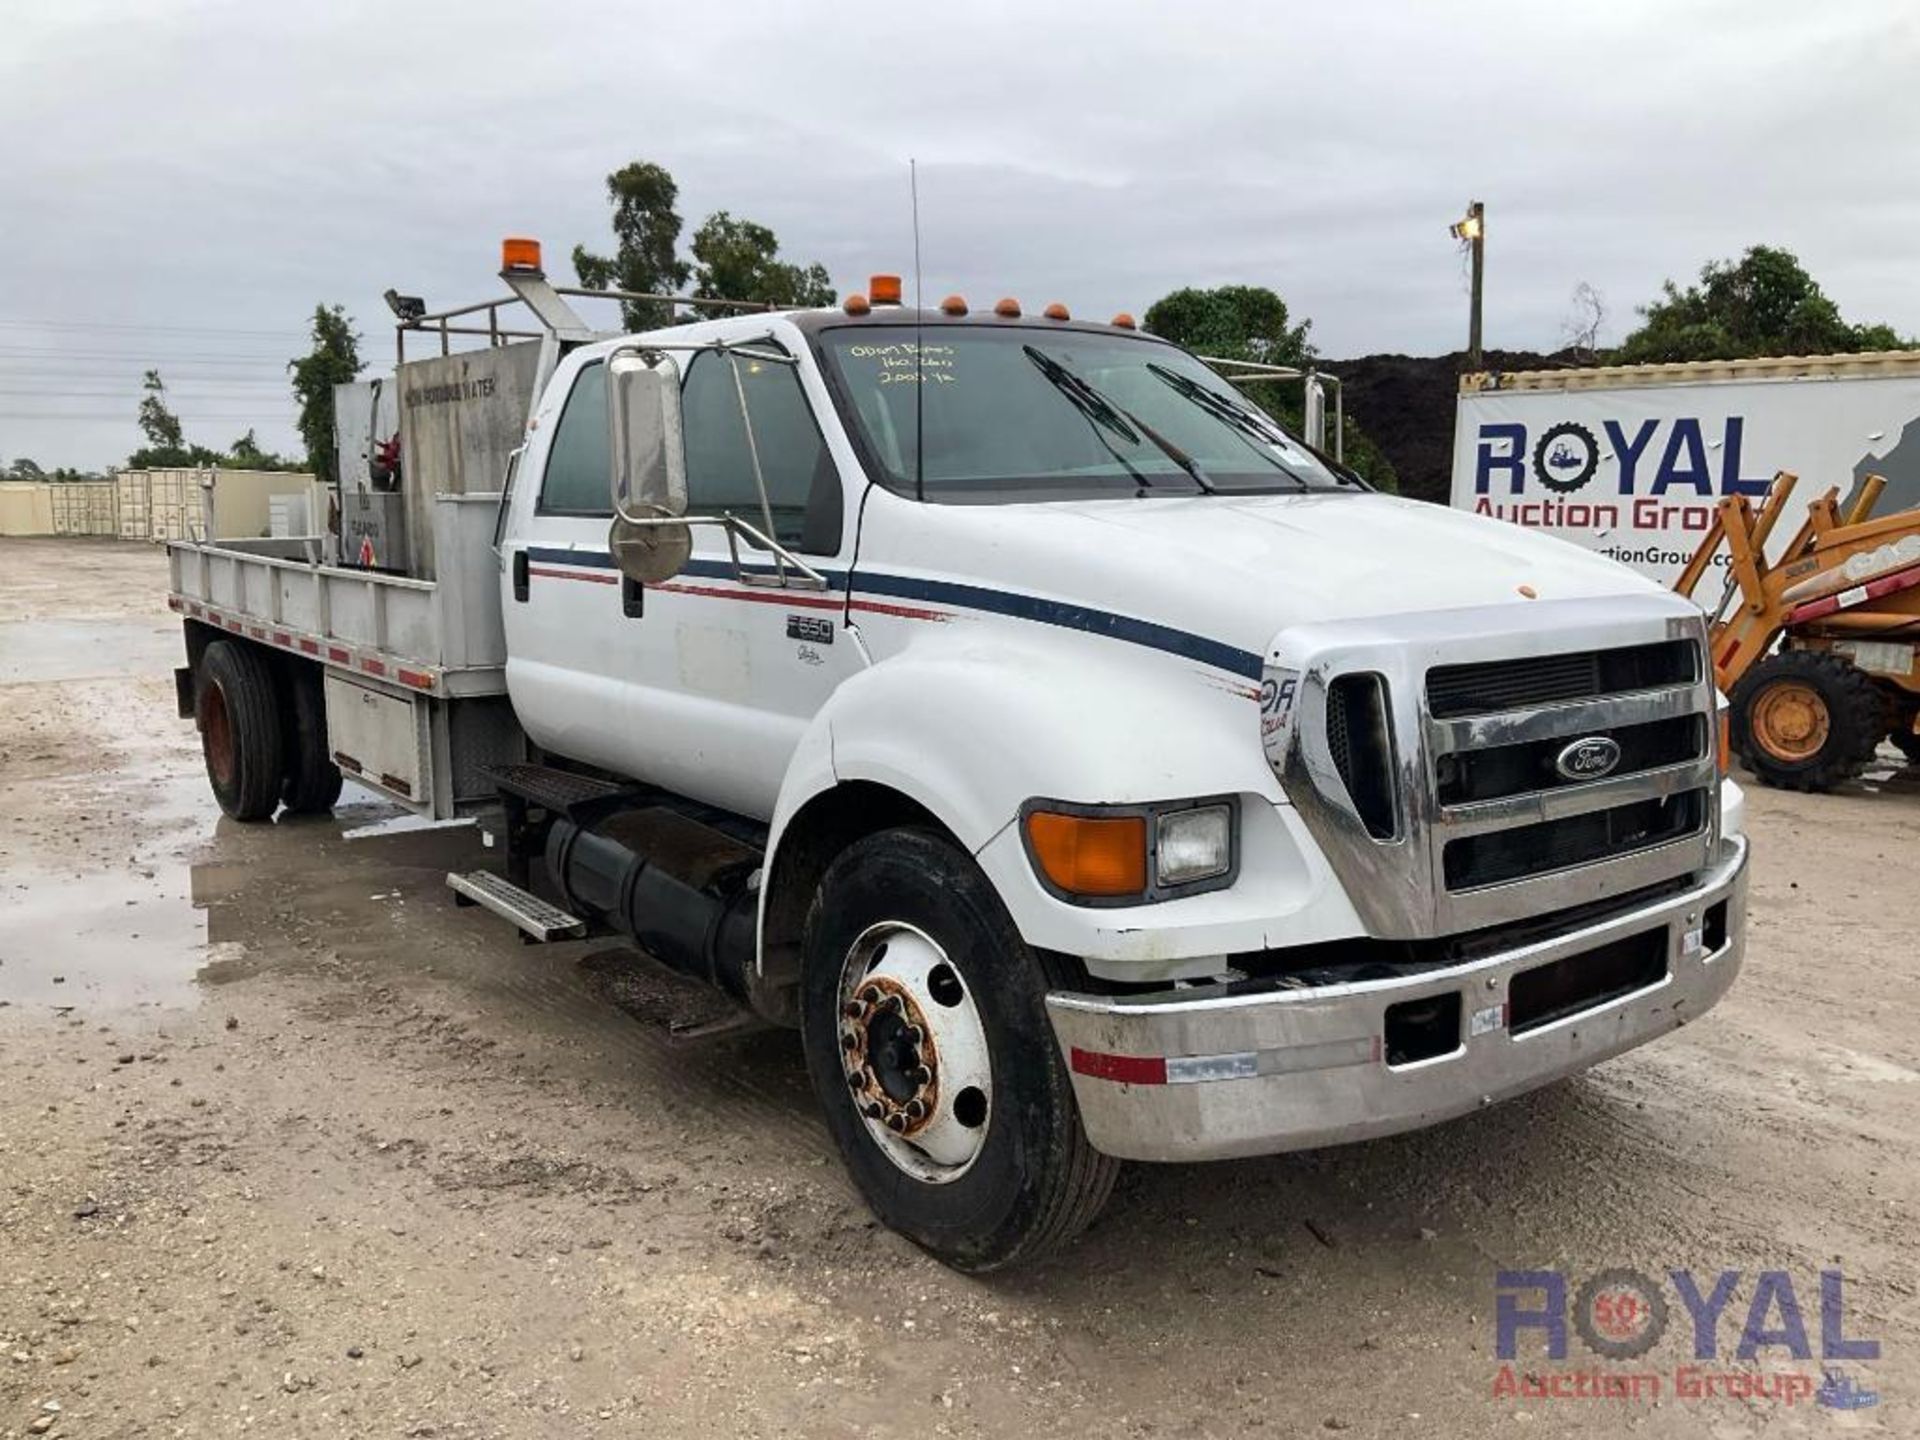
x: 733, y: 671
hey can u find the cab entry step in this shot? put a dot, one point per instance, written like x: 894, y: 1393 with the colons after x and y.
x: 550, y: 789
x: 539, y: 920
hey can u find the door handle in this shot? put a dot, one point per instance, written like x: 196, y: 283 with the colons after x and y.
x: 633, y: 598
x: 520, y: 574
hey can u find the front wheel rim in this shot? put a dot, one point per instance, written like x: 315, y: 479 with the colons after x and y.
x: 913, y: 1051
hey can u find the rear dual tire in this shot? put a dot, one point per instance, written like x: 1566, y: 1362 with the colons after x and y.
x: 263, y: 733
x: 954, y: 1020
x: 236, y: 707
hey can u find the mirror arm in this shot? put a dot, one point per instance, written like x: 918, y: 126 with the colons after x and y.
x: 808, y: 578
x: 753, y: 458
x: 506, y: 497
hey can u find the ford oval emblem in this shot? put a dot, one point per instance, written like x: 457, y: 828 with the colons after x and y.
x: 1589, y: 758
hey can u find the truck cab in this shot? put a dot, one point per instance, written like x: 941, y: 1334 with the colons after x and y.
x: 1088, y: 768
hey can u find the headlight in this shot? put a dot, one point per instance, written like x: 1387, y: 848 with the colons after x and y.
x: 1127, y: 854
x: 1193, y: 845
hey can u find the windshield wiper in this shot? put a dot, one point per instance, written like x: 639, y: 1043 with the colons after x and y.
x: 1094, y: 409
x: 1248, y: 422
x: 1097, y: 407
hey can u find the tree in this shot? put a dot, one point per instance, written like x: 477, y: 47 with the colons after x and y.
x: 24, y: 469
x: 1766, y: 304
x: 1586, y: 317
x: 646, y: 231
x: 334, y: 360
x: 158, y: 423
x: 1251, y: 322
x: 739, y: 260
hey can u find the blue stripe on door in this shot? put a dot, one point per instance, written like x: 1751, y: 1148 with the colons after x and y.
x: 1011, y: 603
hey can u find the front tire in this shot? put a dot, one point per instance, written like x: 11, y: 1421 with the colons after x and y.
x: 923, y: 1015
x: 1806, y: 720
x: 237, y: 709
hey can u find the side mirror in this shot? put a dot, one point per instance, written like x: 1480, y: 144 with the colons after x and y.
x: 649, y: 540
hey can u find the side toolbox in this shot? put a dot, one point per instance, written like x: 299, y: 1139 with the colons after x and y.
x: 380, y: 739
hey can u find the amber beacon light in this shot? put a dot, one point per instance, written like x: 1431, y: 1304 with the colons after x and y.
x: 519, y: 253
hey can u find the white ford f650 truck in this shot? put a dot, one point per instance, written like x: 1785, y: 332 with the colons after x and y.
x: 1088, y: 769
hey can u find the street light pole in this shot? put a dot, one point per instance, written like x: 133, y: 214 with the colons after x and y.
x: 1477, y: 219
x: 1473, y: 230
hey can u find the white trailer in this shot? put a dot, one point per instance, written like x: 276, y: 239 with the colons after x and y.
x: 1089, y: 770
x: 1629, y: 460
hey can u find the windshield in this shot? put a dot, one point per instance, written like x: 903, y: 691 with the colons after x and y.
x: 1020, y: 412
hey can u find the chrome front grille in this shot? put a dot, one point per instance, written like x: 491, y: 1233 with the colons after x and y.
x: 1480, y: 825
x: 1489, y: 686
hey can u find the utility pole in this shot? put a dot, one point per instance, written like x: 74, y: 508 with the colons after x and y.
x: 1473, y: 230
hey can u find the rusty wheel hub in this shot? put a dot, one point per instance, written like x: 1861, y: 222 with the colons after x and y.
x: 914, y: 1051
x: 216, y: 737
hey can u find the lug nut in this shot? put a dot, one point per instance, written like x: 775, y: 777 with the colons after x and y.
x: 915, y: 1035
x: 896, y: 1123
x: 916, y: 1109
x: 920, y: 1075
x: 871, y: 1110
x: 871, y: 994
x: 890, y: 1005
x: 854, y: 1009
x: 856, y: 1080
x: 849, y: 1041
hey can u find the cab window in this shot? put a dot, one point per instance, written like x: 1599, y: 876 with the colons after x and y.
x: 579, y: 463
x: 803, y: 487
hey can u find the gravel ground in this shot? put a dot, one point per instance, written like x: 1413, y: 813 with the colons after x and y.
x: 289, y: 1144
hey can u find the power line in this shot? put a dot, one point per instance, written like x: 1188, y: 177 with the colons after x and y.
x: 164, y: 329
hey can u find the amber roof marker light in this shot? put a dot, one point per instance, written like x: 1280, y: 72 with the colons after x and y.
x: 520, y: 255
x: 1056, y: 311
x: 855, y: 304
x: 1007, y: 309
x: 1123, y: 321
x: 953, y: 305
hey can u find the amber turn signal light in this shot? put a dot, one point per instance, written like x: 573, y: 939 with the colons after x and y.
x: 519, y: 253
x: 1090, y: 857
x: 1726, y: 740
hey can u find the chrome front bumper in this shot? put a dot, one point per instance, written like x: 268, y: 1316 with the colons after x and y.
x: 1200, y: 1075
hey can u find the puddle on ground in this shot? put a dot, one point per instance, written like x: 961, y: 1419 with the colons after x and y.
x: 154, y: 933
x: 34, y: 652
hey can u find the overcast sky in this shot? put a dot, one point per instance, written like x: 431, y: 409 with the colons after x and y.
x: 181, y: 182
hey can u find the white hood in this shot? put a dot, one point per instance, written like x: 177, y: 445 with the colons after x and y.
x: 1239, y: 569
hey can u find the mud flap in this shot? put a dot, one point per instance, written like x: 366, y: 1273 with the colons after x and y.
x: 183, y: 690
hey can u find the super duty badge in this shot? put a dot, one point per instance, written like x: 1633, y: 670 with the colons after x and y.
x: 810, y: 628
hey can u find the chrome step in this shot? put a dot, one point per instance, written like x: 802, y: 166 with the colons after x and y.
x: 534, y: 916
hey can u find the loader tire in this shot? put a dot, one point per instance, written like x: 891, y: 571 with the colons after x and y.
x: 237, y: 709
x: 1806, y: 720
x: 312, y: 781
x: 917, y: 991
x: 1908, y: 744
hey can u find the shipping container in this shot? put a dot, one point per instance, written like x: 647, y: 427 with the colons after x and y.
x: 177, y: 504
x: 25, y: 507
x: 84, y: 507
